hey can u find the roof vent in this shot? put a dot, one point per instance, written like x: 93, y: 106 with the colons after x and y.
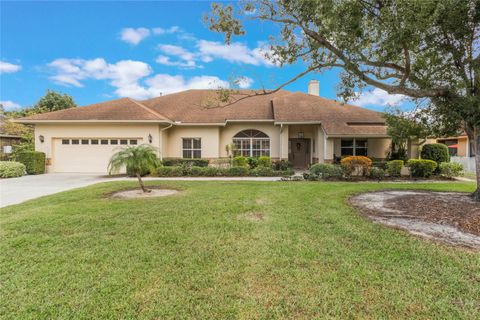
x: 314, y: 88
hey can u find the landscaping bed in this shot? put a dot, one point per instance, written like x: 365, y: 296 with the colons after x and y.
x: 450, y: 217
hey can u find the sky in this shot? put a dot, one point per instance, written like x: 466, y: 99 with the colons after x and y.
x: 98, y: 51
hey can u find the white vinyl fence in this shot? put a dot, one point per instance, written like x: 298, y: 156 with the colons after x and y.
x: 467, y: 162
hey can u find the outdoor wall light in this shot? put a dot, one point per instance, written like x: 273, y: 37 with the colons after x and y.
x: 41, y: 138
x: 150, y: 138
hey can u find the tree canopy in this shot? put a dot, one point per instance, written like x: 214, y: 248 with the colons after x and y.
x: 51, y: 101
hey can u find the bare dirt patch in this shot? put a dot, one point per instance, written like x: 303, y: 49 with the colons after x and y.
x: 255, y: 216
x: 449, y: 217
x: 139, y: 194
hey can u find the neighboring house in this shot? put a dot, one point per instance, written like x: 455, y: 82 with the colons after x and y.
x: 7, y: 141
x: 459, y: 146
x: 303, y: 128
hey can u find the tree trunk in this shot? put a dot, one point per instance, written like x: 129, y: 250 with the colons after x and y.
x: 140, y: 181
x: 476, y: 143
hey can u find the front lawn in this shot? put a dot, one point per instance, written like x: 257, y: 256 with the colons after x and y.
x: 223, y: 250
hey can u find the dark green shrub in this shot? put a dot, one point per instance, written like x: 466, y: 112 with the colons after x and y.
x: 172, y: 162
x: 281, y: 165
x: 451, y: 169
x: 437, y: 152
x: 378, y: 173
x: 11, y: 169
x: 176, y: 171
x: 380, y: 164
x: 421, y: 168
x: 262, y: 171
x: 265, y: 161
x: 252, y: 162
x: 237, y: 171
x: 34, y: 161
x: 240, y: 161
x: 394, y: 168
x: 142, y: 174
x: 326, y: 171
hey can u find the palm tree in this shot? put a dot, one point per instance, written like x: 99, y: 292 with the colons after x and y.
x: 137, y: 159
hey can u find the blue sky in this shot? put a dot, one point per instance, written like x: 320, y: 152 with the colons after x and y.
x: 97, y: 51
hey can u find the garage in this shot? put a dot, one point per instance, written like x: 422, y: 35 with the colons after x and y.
x: 86, y: 154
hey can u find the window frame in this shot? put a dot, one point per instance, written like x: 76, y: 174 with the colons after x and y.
x: 192, y: 149
x: 354, y: 146
x: 251, y: 142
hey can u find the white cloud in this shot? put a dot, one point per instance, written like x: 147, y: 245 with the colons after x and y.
x: 162, y: 31
x: 235, y: 52
x: 6, y: 67
x: 187, y: 58
x: 130, y: 78
x: 244, y: 82
x: 134, y: 36
x: 9, y: 105
x: 379, y: 97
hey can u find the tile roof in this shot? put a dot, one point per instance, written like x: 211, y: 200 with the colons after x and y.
x: 202, y: 106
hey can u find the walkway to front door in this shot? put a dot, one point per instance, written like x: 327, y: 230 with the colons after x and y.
x: 300, y: 153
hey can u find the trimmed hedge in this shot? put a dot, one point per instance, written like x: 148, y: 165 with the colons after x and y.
x: 394, y: 168
x: 252, y: 162
x: 421, y: 168
x: 356, y: 164
x: 34, y: 161
x: 437, y: 152
x: 451, y: 169
x: 377, y: 173
x: 240, y: 161
x: 265, y: 161
x: 281, y: 165
x: 11, y: 169
x: 326, y: 171
x: 172, y: 162
x: 179, y: 171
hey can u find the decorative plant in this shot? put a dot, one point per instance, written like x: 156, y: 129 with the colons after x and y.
x: 231, y: 148
x: 137, y: 159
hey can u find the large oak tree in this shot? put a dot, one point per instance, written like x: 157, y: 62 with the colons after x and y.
x: 427, y: 50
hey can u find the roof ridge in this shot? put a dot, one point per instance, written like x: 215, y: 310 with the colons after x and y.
x: 148, y: 109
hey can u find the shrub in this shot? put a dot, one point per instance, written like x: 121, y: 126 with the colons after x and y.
x: 451, y: 169
x: 394, y: 168
x: 252, y: 162
x: 326, y: 171
x: 240, y: 161
x: 172, y: 162
x: 378, y: 173
x: 143, y: 173
x: 237, y: 171
x: 437, y: 152
x: 265, y: 161
x: 421, y: 168
x: 175, y: 171
x: 11, y: 169
x: 281, y: 165
x: 262, y: 171
x: 356, y: 165
x: 34, y: 161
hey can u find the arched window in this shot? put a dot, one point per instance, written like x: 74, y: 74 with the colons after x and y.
x: 251, y: 143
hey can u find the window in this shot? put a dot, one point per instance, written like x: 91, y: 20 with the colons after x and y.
x: 354, y: 147
x: 104, y: 141
x: 192, y: 148
x: 133, y: 141
x: 113, y: 141
x: 123, y: 141
x: 94, y: 141
x: 251, y: 143
x: 75, y: 141
x: 84, y: 141
x: 65, y: 141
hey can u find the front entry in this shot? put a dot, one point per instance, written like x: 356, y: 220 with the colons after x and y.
x: 299, y: 154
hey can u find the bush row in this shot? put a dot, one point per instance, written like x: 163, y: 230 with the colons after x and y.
x: 11, y: 169
x: 34, y: 161
x: 195, y: 171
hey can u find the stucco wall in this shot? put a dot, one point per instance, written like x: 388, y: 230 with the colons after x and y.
x: 208, y: 134
x: 231, y: 129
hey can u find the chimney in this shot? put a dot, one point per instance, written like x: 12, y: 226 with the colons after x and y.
x: 314, y: 88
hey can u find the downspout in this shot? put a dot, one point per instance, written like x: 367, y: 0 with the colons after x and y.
x: 161, y: 135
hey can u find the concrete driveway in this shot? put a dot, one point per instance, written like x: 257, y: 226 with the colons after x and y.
x: 16, y: 190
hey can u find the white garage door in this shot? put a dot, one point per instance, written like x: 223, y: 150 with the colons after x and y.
x: 86, y: 154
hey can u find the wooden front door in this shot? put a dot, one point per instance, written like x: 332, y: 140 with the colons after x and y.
x: 300, y: 153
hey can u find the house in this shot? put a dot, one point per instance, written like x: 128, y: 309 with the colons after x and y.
x: 459, y: 146
x: 303, y: 128
x: 7, y: 140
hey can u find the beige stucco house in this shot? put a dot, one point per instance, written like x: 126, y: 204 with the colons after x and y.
x: 303, y: 128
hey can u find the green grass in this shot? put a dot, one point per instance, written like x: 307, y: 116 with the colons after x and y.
x: 195, y: 255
